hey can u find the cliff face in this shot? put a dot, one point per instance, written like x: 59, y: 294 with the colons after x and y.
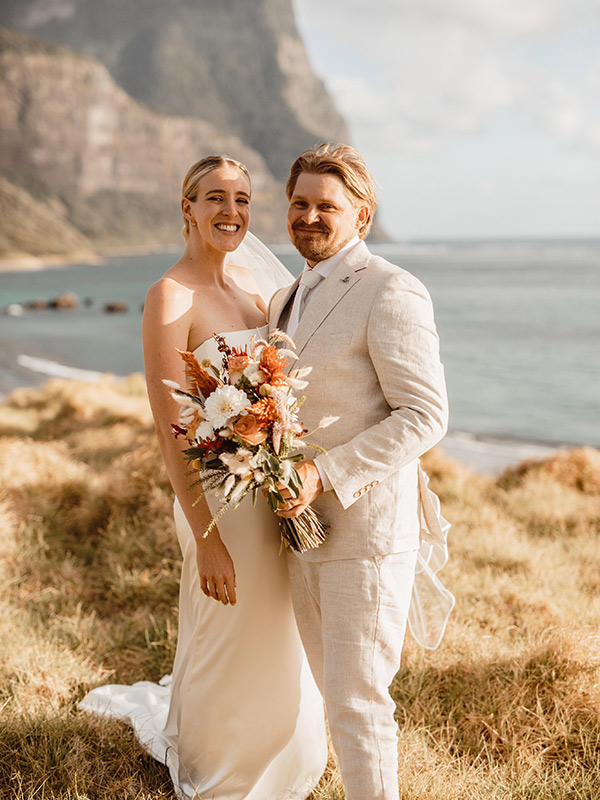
x: 98, y: 160
x: 240, y: 65
x: 27, y: 226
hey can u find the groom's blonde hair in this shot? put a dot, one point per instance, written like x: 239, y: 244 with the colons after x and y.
x: 345, y: 162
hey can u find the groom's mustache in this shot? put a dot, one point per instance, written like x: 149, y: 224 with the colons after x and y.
x: 317, y: 227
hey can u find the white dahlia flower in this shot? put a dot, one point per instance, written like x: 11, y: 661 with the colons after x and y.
x: 223, y: 404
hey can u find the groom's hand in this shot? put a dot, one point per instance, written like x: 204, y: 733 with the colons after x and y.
x: 311, y: 488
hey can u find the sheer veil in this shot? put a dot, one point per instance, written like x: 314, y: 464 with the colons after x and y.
x: 267, y: 270
x: 431, y: 603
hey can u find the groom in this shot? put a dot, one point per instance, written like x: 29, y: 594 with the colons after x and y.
x: 366, y: 327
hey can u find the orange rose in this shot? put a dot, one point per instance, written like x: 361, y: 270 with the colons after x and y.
x: 248, y: 429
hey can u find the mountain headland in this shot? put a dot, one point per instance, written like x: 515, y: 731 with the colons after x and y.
x: 106, y: 105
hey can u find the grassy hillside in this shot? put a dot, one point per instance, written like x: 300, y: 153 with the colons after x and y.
x: 508, y: 707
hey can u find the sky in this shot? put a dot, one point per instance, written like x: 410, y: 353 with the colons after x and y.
x: 477, y: 118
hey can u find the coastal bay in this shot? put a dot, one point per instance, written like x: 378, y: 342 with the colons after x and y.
x: 518, y: 326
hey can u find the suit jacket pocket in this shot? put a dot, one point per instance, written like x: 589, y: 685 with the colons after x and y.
x: 339, y: 338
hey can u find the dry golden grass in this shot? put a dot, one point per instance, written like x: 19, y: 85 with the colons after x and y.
x: 508, y: 707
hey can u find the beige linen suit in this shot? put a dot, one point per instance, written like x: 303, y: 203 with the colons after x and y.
x: 370, y: 337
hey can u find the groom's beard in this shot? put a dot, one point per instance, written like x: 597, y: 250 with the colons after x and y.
x: 314, y: 242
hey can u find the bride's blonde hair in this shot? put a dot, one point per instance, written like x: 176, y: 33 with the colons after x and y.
x: 197, y: 171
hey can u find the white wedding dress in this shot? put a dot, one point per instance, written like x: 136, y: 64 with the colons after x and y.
x: 240, y: 718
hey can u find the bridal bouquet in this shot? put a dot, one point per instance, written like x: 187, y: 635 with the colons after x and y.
x: 240, y: 419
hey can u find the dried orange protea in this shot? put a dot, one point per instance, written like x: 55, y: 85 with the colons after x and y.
x: 273, y: 364
x: 201, y: 381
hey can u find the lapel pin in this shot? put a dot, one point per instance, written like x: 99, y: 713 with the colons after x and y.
x: 346, y: 279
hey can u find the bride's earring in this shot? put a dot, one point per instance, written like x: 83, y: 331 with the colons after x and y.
x: 193, y: 223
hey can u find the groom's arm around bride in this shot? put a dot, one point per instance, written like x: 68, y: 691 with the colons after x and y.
x: 366, y: 327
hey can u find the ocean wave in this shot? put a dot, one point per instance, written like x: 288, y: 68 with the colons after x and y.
x: 57, y: 370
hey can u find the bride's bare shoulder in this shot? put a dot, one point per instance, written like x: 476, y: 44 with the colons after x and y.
x: 168, y: 297
x: 169, y: 286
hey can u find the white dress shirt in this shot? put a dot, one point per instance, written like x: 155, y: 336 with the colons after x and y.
x: 325, y: 268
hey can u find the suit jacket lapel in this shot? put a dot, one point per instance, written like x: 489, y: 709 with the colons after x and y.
x: 342, y: 279
x: 279, y: 302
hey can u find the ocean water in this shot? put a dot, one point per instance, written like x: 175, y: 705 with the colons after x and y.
x: 519, y: 324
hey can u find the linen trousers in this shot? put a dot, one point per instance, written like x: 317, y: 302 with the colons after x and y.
x: 352, y: 617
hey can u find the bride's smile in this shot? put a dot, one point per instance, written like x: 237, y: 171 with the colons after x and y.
x: 220, y: 214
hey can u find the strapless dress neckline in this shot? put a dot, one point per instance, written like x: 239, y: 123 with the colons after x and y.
x: 247, y: 333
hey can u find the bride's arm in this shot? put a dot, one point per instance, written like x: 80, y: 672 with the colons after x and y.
x: 167, y: 321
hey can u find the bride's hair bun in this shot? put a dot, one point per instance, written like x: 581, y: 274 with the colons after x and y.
x: 197, y: 171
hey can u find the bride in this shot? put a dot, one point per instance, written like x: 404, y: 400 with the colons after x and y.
x: 240, y: 718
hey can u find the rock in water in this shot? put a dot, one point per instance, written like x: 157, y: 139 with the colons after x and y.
x: 14, y: 310
x: 116, y: 308
x: 36, y: 305
x: 64, y: 301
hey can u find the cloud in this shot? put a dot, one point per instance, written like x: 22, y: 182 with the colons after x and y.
x: 568, y: 111
x: 432, y: 84
x: 427, y: 70
x: 498, y: 18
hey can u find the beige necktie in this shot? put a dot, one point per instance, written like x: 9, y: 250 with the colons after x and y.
x: 308, y: 280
